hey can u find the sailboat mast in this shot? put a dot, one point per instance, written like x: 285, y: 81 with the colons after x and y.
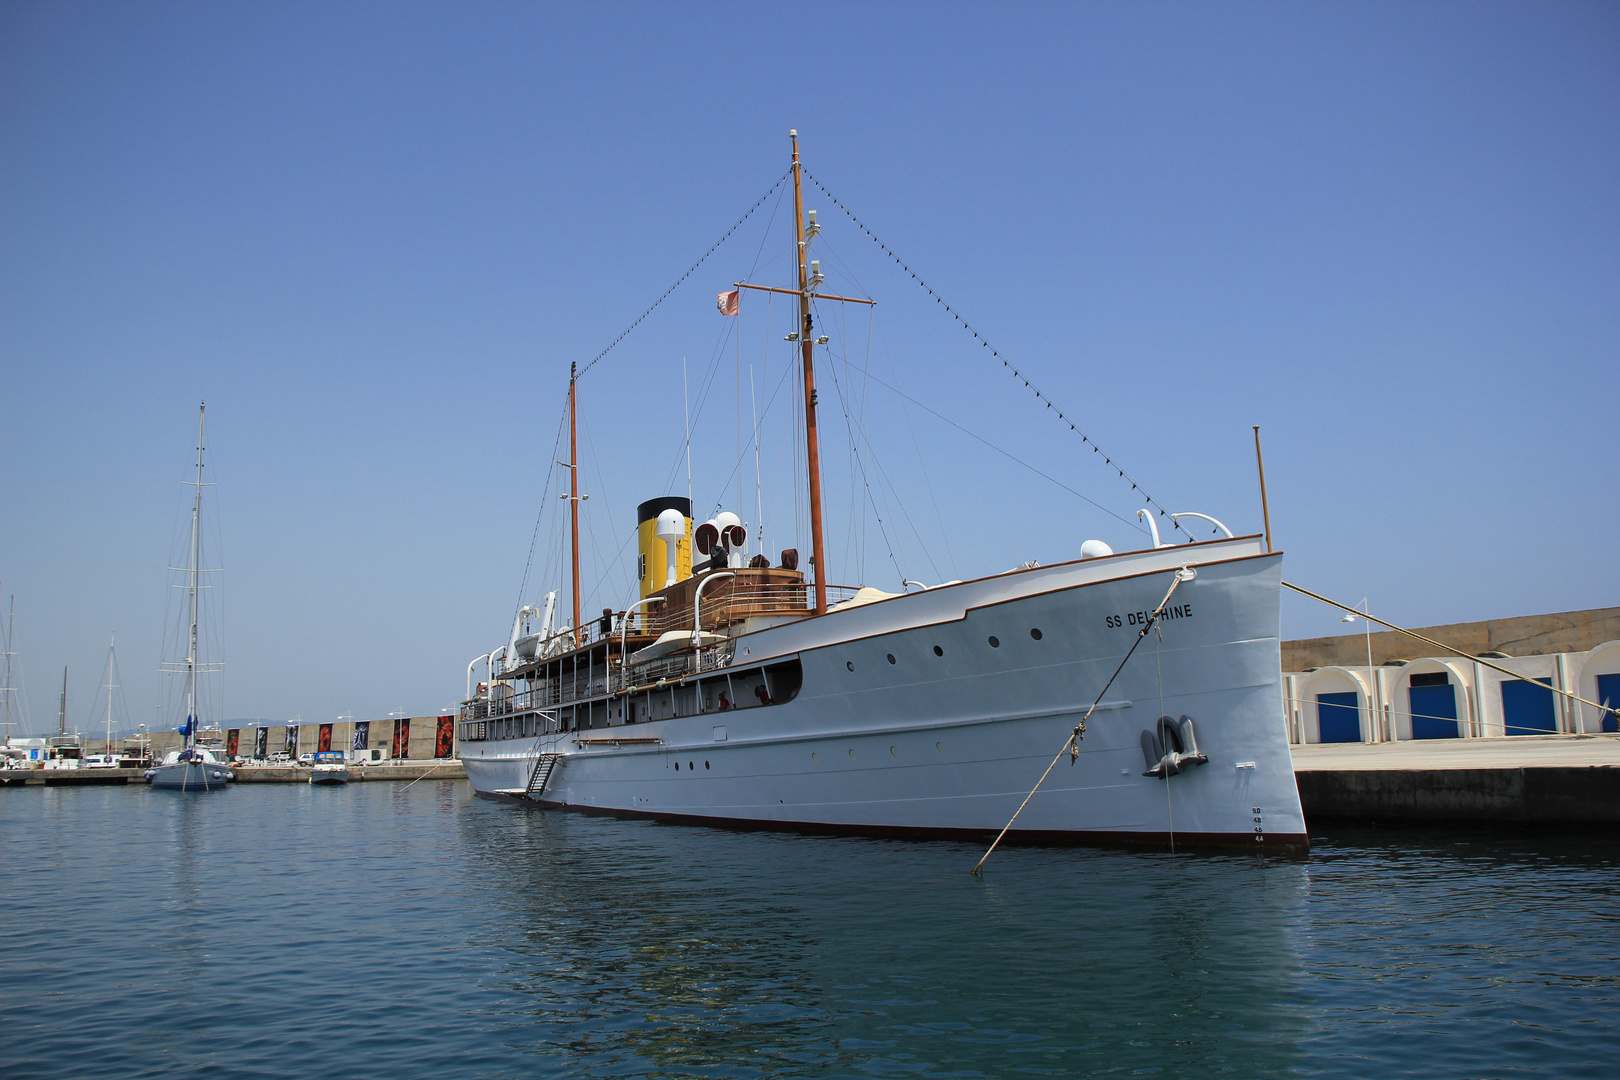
x: 6, y: 691
x: 61, y: 709
x: 113, y: 641
x: 573, y: 501
x: 192, y: 586
x: 807, y: 350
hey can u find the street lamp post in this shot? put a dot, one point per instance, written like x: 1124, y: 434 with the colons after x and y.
x: 1374, y: 726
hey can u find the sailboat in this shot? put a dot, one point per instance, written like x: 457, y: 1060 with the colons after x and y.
x: 193, y: 767
x: 740, y: 693
x: 108, y: 758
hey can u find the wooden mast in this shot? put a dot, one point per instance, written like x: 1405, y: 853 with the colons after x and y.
x: 573, y: 501
x: 807, y: 347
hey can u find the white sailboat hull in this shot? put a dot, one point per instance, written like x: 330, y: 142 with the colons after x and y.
x: 191, y: 776
x: 950, y: 743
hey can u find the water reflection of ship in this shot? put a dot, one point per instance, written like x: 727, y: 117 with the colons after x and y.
x: 768, y: 952
x: 740, y: 692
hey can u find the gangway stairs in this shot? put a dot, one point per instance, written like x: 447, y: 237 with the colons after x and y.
x: 543, y: 766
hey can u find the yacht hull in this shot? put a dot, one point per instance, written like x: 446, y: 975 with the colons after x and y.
x: 191, y: 776
x: 935, y: 714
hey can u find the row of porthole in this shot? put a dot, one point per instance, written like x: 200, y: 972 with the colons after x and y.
x: 894, y: 751
x: 995, y: 643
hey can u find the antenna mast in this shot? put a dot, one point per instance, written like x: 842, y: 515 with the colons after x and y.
x: 807, y: 350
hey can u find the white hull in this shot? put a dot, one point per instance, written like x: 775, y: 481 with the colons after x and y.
x: 329, y: 774
x: 191, y: 776
x: 949, y: 745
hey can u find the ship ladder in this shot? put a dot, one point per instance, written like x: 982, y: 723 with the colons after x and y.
x: 543, y: 764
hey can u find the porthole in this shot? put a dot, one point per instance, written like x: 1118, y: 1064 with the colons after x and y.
x: 940, y: 747
x: 1035, y: 632
x: 891, y: 658
x: 995, y: 642
x: 705, y: 764
x: 816, y: 758
x: 850, y: 664
x: 689, y: 765
x: 894, y: 751
x: 677, y: 766
x: 852, y: 753
x: 938, y: 651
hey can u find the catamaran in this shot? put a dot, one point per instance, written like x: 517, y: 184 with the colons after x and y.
x: 193, y: 767
x: 738, y: 691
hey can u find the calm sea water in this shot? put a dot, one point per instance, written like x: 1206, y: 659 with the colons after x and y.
x: 393, y: 931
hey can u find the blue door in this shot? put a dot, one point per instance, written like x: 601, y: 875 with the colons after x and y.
x: 1434, y: 706
x: 1527, y: 708
x: 1338, y: 717
x: 1609, y: 694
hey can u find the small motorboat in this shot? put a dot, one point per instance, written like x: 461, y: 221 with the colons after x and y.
x: 329, y: 767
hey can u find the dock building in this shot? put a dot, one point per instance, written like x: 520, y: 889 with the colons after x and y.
x: 1337, y: 693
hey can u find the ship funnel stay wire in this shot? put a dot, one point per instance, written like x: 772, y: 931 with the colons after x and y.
x: 980, y: 338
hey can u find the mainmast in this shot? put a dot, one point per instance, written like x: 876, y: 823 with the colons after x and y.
x: 192, y: 584
x: 573, y: 500
x: 807, y: 343
x: 61, y: 709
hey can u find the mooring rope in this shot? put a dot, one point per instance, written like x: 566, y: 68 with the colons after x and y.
x: 1071, y: 745
x: 1443, y: 646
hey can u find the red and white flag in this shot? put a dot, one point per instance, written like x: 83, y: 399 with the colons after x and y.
x: 727, y: 302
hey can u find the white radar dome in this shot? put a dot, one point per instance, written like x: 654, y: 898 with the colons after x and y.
x: 1094, y: 549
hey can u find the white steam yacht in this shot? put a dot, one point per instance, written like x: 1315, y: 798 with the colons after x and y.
x: 741, y: 693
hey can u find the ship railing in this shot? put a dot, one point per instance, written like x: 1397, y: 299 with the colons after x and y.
x: 726, y: 607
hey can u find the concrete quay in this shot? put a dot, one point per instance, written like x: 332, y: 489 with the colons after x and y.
x: 446, y: 769
x: 449, y: 769
x: 1527, y: 780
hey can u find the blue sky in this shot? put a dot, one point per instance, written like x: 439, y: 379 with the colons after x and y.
x: 374, y: 236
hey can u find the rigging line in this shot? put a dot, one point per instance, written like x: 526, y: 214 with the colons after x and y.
x: 689, y: 272
x: 704, y: 388
x: 980, y: 338
x: 855, y: 453
x: 737, y: 466
x: 916, y: 445
x: 607, y: 511
x: 540, y: 515
x: 883, y: 476
x: 1005, y: 453
x: 1070, y: 746
x: 887, y: 485
x: 766, y: 235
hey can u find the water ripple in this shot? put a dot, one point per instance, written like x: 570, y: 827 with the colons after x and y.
x: 383, y: 930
